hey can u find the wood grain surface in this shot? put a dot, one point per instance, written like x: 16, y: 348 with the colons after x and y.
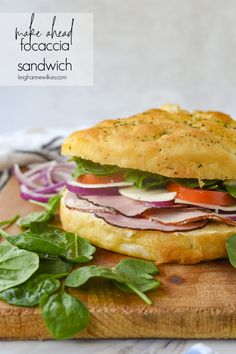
x: 193, y: 301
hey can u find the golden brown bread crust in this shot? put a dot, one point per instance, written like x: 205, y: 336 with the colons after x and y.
x: 183, y: 247
x: 167, y: 141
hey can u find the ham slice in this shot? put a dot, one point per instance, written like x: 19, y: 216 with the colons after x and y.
x: 163, y: 219
x: 226, y: 209
x: 124, y: 205
x: 181, y: 216
x: 147, y: 224
x: 73, y: 202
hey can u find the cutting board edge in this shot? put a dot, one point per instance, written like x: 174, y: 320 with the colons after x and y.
x: 174, y: 325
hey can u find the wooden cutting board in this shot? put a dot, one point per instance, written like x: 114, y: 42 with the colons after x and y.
x: 193, y: 301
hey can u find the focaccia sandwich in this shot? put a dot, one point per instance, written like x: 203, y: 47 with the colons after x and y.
x: 160, y: 185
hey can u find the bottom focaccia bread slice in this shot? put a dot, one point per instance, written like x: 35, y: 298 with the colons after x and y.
x: 187, y: 247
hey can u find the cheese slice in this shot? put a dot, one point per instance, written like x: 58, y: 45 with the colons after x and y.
x: 148, y: 195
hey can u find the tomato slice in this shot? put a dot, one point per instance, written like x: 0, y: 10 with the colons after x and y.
x: 93, y: 179
x: 201, y: 196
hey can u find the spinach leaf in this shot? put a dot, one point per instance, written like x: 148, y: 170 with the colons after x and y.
x: 138, y: 272
x: 129, y: 275
x: 231, y: 187
x: 45, y: 239
x: 145, y: 179
x: 78, y: 250
x: 81, y: 275
x: 16, y: 266
x: 231, y: 190
x: 231, y: 249
x: 54, y: 266
x: 149, y: 180
x: 25, y: 221
x: 39, y: 243
x: 63, y: 315
x: 9, y: 222
x: 75, y: 248
x: 29, y: 293
x: 86, y: 166
x: 194, y: 183
x: 139, y: 178
x: 51, y: 208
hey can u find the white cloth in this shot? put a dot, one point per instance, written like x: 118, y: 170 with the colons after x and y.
x: 27, y: 146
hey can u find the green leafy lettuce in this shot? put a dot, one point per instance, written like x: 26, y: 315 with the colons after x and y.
x: 44, y: 239
x: 49, y: 213
x: 144, y: 180
x: 16, y: 266
x: 63, y: 314
x: 130, y: 275
x: 86, y: 166
x: 8, y: 222
x: 29, y: 293
x: 230, y: 186
x: 36, y: 268
x: 231, y: 249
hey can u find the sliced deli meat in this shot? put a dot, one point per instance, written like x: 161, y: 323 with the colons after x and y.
x: 123, y: 205
x: 173, y: 216
x: 181, y: 216
x: 208, y: 206
x: 73, y: 202
x: 146, y: 224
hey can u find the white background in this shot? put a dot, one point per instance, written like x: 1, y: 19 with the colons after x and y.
x: 147, y: 52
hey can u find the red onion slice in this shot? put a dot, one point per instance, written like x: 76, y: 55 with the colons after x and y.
x: 28, y: 194
x: 92, y: 191
x: 42, y: 181
x: 54, y: 188
x: 231, y: 216
x: 38, y: 167
x: 23, y: 179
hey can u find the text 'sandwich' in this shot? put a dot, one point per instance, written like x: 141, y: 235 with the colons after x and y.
x: 160, y: 185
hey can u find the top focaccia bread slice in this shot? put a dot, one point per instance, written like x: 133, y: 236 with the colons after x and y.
x: 167, y: 141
